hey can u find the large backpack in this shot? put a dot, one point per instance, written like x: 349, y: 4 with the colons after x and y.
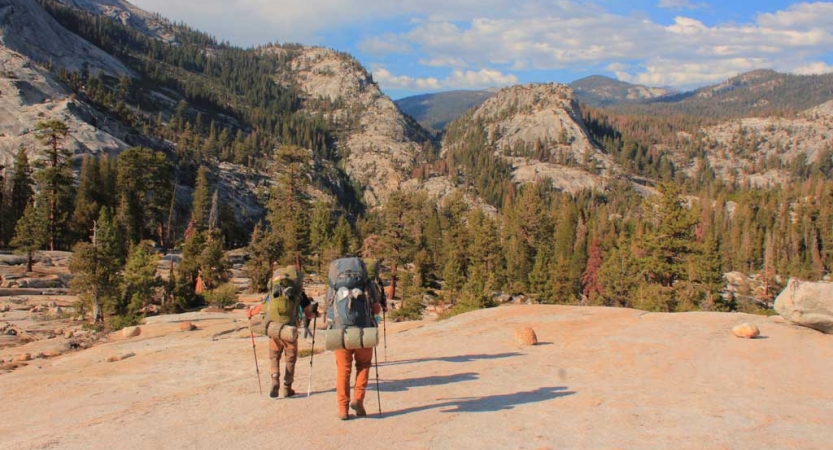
x: 354, y: 309
x: 284, y: 300
x: 349, y: 306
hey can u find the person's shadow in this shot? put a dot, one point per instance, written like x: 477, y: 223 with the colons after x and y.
x: 489, y: 403
x: 453, y: 359
x: 437, y: 380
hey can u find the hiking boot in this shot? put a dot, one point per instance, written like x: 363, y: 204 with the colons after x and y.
x: 359, y: 408
x: 287, y: 391
x: 276, y: 386
x: 343, y: 415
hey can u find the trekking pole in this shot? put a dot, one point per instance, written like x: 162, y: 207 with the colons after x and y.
x: 311, y: 356
x: 254, y: 350
x: 378, y: 396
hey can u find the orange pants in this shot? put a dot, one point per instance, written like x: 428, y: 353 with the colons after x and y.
x: 344, y: 363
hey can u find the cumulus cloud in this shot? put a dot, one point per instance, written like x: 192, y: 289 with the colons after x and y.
x: 383, y: 45
x: 458, y: 79
x: 813, y: 68
x: 681, y: 4
x: 466, y: 36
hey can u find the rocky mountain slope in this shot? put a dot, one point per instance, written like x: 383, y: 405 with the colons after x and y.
x: 599, y: 378
x: 539, y: 131
x: 27, y: 29
x: 128, y: 14
x: 752, y: 94
x: 756, y: 149
x: 598, y: 90
x: 381, y: 144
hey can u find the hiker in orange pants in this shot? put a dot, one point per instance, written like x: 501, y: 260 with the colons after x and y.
x: 344, y: 365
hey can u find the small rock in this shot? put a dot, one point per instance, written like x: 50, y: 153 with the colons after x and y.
x: 526, y: 336
x: 746, y: 331
x: 52, y: 304
x: 240, y: 306
x: 58, y: 311
x: 116, y: 358
x: 68, y: 334
x: 187, y: 326
x: 130, y: 332
x: 5, y: 307
x: 51, y: 354
x: 11, y: 332
x: 36, y: 309
x: 58, y: 331
x: 23, y: 357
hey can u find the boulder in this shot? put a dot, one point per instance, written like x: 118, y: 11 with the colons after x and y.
x: 526, y: 336
x: 808, y: 304
x: 187, y: 326
x: 746, y: 331
x: 130, y: 332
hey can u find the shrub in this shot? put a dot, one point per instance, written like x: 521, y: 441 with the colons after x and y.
x: 224, y: 295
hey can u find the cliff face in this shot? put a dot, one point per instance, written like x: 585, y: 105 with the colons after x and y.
x: 539, y: 131
x: 380, y: 144
x: 757, y: 150
x: 27, y: 29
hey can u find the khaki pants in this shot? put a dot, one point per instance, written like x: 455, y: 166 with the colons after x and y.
x: 276, y: 348
x: 344, y: 363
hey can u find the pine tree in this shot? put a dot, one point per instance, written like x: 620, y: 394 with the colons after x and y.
x: 87, y: 207
x: 139, y: 281
x: 32, y: 231
x: 55, y: 175
x: 539, y: 278
x: 592, y: 289
x: 145, y: 193
x: 96, y: 268
x: 618, y: 275
x: 264, y: 250
x: 201, y: 205
x: 453, y: 278
x: 670, y: 245
x: 288, y: 205
x: 21, y: 187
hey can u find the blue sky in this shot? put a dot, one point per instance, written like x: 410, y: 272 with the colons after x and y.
x: 414, y: 47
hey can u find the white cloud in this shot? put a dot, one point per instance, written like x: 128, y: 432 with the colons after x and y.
x: 469, y: 36
x: 458, y: 79
x: 681, y: 4
x: 813, y: 68
x: 386, y: 44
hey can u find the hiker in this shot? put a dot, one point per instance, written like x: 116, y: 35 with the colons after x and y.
x: 280, y: 316
x: 374, y: 267
x: 352, y: 308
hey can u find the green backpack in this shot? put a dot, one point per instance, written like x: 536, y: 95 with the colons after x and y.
x: 282, y: 304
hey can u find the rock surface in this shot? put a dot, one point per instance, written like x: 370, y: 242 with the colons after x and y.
x: 808, y: 304
x: 599, y: 378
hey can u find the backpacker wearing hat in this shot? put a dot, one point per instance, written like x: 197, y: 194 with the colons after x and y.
x: 352, y: 304
x: 280, y: 317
